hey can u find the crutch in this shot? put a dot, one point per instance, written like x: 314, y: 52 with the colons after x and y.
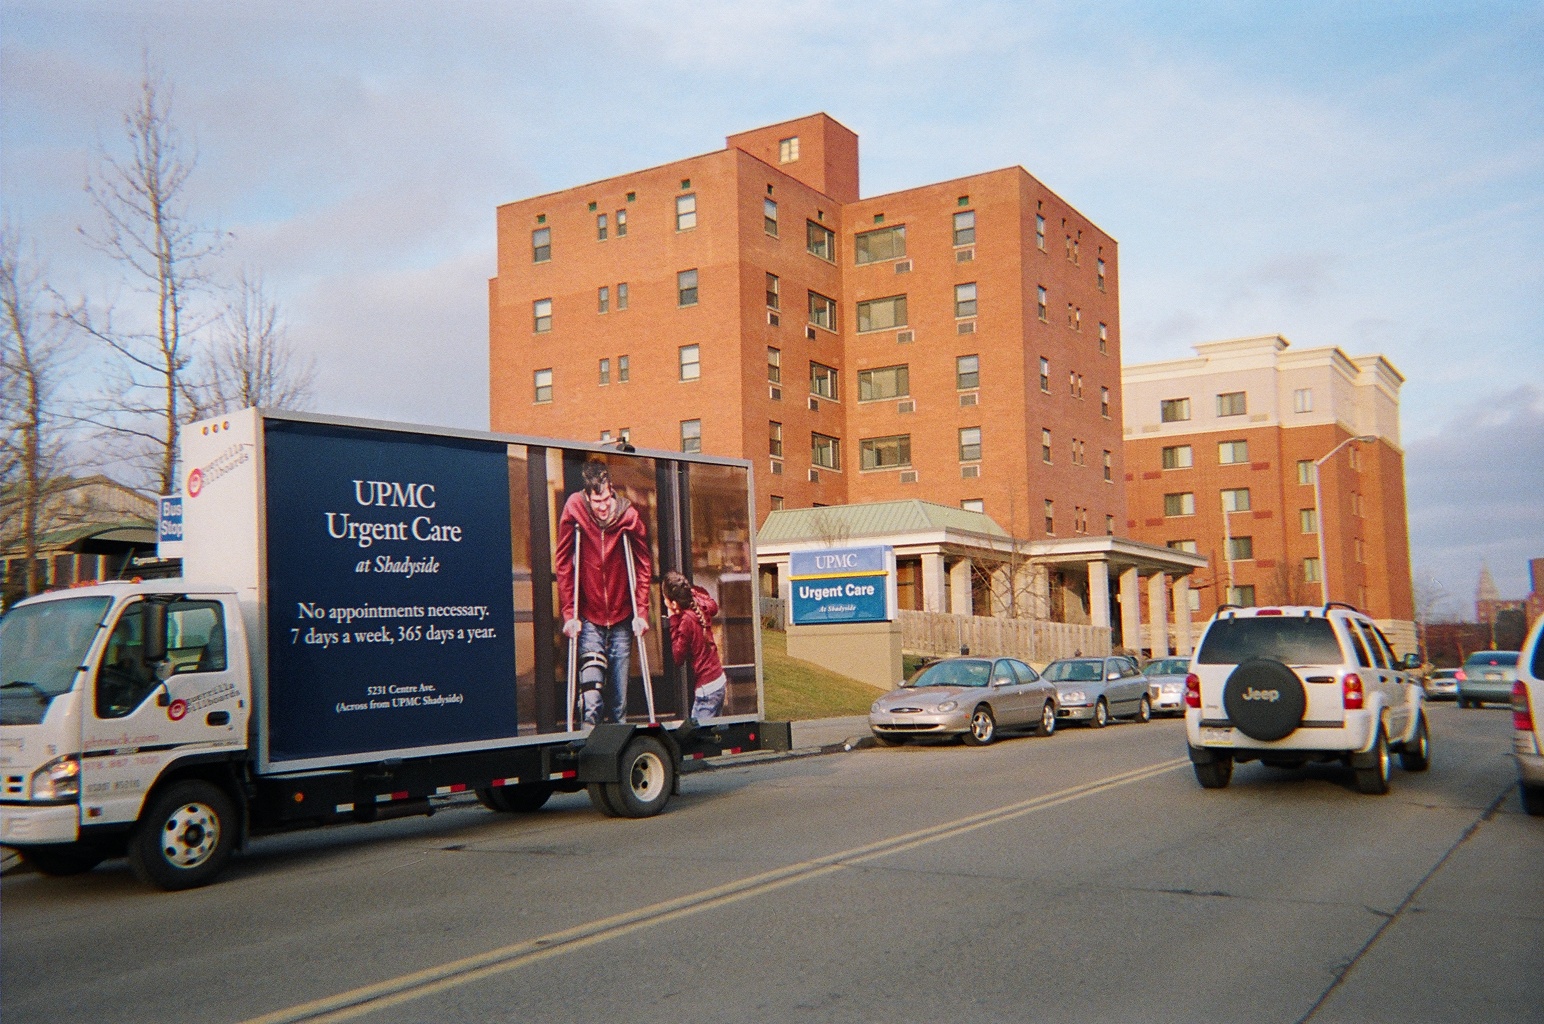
x: 573, y: 641
x: 643, y: 652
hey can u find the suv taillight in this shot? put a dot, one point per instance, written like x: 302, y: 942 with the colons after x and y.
x: 1192, y: 691
x: 1522, y: 713
x: 1351, y: 690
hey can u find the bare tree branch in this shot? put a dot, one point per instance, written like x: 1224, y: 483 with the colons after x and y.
x: 252, y: 362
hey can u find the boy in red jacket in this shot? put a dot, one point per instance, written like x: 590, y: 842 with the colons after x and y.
x: 691, y: 641
x: 603, y: 618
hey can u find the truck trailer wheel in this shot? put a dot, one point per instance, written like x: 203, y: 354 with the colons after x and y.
x: 185, y: 837
x: 647, y: 779
x: 525, y: 798
x: 60, y: 861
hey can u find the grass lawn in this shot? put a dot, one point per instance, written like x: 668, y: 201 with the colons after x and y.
x: 801, y: 689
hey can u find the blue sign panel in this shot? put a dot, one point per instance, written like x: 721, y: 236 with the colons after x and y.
x: 389, y: 592
x: 840, y: 585
x: 168, y: 526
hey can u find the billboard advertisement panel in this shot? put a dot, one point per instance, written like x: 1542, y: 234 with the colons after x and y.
x: 842, y: 585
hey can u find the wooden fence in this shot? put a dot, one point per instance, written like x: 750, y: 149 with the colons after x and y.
x: 1032, y: 640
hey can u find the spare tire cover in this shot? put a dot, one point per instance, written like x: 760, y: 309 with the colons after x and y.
x: 1264, y: 699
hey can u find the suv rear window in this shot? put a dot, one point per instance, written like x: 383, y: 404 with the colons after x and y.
x: 1507, y: 659
x: 1291, y: 641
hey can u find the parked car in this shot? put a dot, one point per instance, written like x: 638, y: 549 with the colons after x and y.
x: 1291, y: 685
x: 1487, y: 676
x: 968, y: 697
x: 1095, y: 690
x: 1442, y: 684
x: 1528, y: 721
x: 1166, y: 677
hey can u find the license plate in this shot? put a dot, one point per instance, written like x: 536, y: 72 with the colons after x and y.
x: 1215, y: 737
x: 1493, y: 675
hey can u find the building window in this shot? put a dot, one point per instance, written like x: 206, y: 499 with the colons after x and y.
x: 1041, y: 303
x: 1308, y: 520
x: 621, y: 223
x: 1179, y: 456
x: 541, y: 315
x: 543, y: 383
x: 1109, y: 467
x: 541, y: 245
x: 1050, y: 516
x: 965, y: 300
x: 691, y: 435
x: 775, y: 439
x: 1235, y: 499
x: 625, y: 435
x: 1104, y: 402
x: 774, y: 295
x: 686, y: 212
x: 1099, y: 275
x: 882, y: 314
x: 1179, y: 504
x: 1104, y: 339
x: 1045, y: 375
x: 823, y: 381
x: 605, y: 372
x: 603, y: 299
x: 1240, y: 549
x: 1231, y: 404
x: 965, y: 228
x: 892, y: 452
x: 1302, y: 400
x: 1231, y: 453
x: 967, y: 372
x: 1174, y: 410
x: 788, y: 150
x: 605, y: 436
x: 1310, y: 570
x: 691, y: 365
x: 1241, y: 596
x: 974, y: 505
x: 1045, y: 446
x: 621, y: 369
x: 1305, y: 472
x: 822, y: 311
x: 1075, y: 384
x: 769, y: 217
x: 601, y: 222
x: 686, y: 288
x: 825, y: 452
x: 820, y: 241
x: 884, y: 382
x: 622, y: 295
x: 880, y: 244
x: 970, y: 444
x: 1040, y: 231
x: 777, y: 502
x: 1078, y: 456
x: 1188, y: 546
x: 774, y: 365
x: 1109, y: 525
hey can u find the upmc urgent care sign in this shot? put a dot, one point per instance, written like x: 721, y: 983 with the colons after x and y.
x: 842, y: 585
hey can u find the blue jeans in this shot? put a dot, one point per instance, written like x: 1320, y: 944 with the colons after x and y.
x: 617, y: 644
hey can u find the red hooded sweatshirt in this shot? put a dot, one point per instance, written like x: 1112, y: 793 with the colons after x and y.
x: 692, y: 643
x: 603, y: 583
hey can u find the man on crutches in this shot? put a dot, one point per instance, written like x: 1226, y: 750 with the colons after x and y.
x: 603, y: 568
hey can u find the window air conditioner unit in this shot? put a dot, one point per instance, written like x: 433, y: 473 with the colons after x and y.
x: 968, y: 399
x: 905, y: 337
x: 964, y: 255
x: 772, y: 318
x: 809, y: 332
x: 968, y: 327
x: 903, y: 266
x: 970, y: 472
x: 814, y: 476
x: 908, y: 476
x: 909, y: 405
x: 774, y: 392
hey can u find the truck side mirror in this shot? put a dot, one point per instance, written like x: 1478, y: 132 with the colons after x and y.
x: 155, y: 632
x: 1412, y: 661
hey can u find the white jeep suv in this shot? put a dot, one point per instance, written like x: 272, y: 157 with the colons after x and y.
x: 1290, y: 685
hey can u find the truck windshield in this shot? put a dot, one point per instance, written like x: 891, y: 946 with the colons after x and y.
x: 41, y: 648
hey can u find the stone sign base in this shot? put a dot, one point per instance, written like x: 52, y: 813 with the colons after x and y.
x: 867, y: 651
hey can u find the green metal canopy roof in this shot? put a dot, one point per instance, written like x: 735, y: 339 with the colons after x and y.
x: 839, y: 524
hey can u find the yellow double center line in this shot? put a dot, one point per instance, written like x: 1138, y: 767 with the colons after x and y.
x: 417, y: 984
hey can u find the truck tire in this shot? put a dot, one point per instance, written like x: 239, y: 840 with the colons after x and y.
x: 60, y: 861
x: 1264, y: 699
x: 185, y: 836
x: 600, y: 800
x: 525, y: 798
x: 648, y: 779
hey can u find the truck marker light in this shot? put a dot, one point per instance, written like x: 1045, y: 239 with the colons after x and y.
x: 300, y: 798
x: 733, y: 750
x: 344, y: 808
x: 386, y: 798
x: 570, y: 774
x: 506, y: 782
x: 459, y: 787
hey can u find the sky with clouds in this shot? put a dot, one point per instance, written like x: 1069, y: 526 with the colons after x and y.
x: 1342, y: 173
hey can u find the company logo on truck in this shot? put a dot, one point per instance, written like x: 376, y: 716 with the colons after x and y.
x: 392, y: 494
x: 202, y: 476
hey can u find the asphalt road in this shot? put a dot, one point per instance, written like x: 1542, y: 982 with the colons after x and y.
x: 1084, y: 877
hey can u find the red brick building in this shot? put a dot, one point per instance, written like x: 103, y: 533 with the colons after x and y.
x: 957, y: 342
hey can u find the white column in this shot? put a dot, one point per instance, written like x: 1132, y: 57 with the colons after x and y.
x: 1099, y: 593
x: 933, y: 583
x: 1182, y: 638
x: 1158, y: 613
x: 1002, y: 592
x: 959, y: 588
x: 1130, y: 609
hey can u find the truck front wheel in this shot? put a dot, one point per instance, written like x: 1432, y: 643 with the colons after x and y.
x: 185, y: 837
x: 647, y: 779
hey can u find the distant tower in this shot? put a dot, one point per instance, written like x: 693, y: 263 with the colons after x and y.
x: 1486, y: 596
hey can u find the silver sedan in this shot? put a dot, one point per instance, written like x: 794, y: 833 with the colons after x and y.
x: 1166, y: 684
x: 1095, y: 690
x: 967, y: 697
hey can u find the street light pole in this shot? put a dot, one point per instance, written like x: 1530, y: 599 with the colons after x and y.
x: 1318, y: 511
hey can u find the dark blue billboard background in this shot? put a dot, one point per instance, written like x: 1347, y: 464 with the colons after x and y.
x: 391, y: 610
